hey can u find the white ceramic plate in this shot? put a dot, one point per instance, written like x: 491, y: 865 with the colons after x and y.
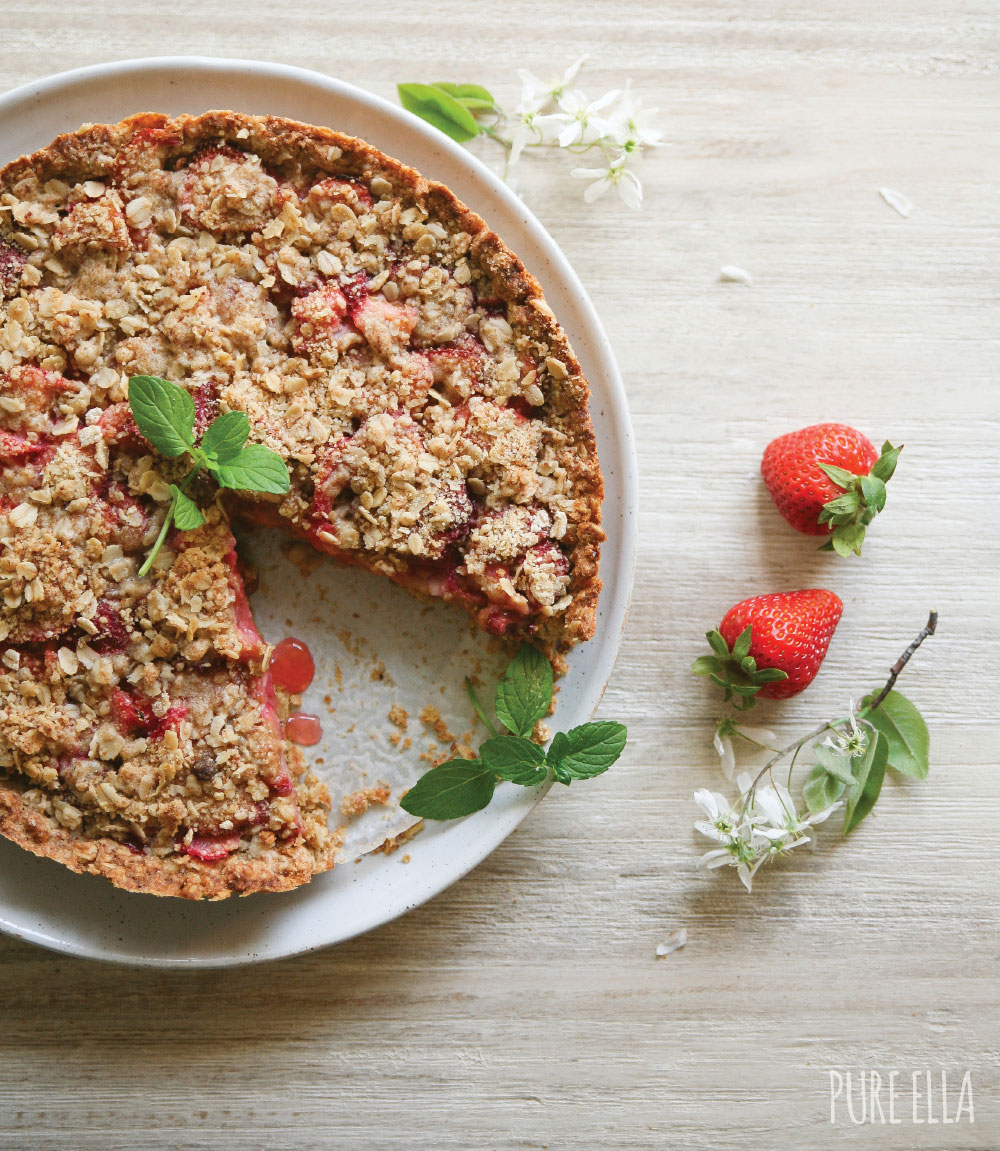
x: 43, y: 902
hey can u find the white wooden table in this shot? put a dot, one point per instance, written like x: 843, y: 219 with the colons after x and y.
x: 524, y: 1007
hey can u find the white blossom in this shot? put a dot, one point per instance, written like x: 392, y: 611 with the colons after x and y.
x: 580, y: 120
x: 849, y: 744
x: 615, y: 175
x: 723, y: 741
x: 536, y: 94
x: 631, y: 128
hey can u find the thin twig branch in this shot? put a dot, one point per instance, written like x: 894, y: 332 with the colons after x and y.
x: 929, y: 629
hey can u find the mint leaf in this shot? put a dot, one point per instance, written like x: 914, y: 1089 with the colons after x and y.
x: 456, y: 788
x: 187, y: 514
x: 471, y: 96
x: 869, y: 771
x: 439, y: 108
x: 524, y: 695
x: 255, y: 469
x: 586, y: 751
x: 905, y: 735
x: 515, y: 758
x: 821, y: 790
x: 225, y: 436
x: 164, y: 413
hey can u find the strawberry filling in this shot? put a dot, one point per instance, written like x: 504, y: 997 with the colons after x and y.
x: 135, y: 717
x: 12, y: 261
x: 211, y: 848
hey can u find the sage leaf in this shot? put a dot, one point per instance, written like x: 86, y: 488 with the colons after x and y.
x: 451, y: 790
x: 869, y: 771
x: 524, y: 694
x: 905, y: 735
x: 515, y: 758
x: 164, y: 413
x: 586, y: 751
x: 255, y: 469
x: 439, y: 108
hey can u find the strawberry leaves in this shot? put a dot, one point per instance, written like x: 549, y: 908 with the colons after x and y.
x: 864, y: 497
x: 523, y: 697
x: 735, y: 670
x: 165, y: 414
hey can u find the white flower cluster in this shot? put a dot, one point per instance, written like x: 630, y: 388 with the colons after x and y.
x: 761, y: 825
x: 557, y: 114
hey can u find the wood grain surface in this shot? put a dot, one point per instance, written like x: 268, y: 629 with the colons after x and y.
x: 524, y: 1007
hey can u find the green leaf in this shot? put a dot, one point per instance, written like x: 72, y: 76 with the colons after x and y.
x: 845, y: 505
x: 873, y: 490
x: 164, y: 413
x: 225, y: 436
x: 472, y: 96
x: 187, y: 514
x: 885, y: 465
x: 847, y: 539
x: 477, y: 707
x: 586, y: 751
x: 769, y: 675
x: 869, y: 771
x: 456, y: 788
x: 524, y: 695
x: 832, y: 763
x: 905, y: 735
x: 821, y: 789
x: 255, y: 469
x: 706, y: 665
x: 717, y: 644
x: 439, y: 108
x: 840, y: 476
x: 741, y: 648
x: 515, y: 758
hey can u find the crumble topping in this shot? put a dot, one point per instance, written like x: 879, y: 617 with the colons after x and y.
x: 378, y: 337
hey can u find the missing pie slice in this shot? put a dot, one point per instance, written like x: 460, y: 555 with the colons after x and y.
x: 381, y: 339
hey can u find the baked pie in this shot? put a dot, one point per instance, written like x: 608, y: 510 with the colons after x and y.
x: 381, y: 339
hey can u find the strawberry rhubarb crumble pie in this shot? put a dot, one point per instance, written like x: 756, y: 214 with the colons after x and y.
x: 381, y: 339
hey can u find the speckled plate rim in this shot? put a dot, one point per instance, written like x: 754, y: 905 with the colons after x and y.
x: 83, y: 915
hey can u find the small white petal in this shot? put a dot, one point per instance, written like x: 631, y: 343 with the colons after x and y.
x: 718, y: 857
x: 746, y: 876
x: 897, y: 201
x: 674, y: 942
x: 630, y: 190
x: 596, y: 190
x: 730, y: 273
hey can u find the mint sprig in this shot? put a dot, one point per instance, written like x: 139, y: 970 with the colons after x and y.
x: 523, y: 697
x: 164, y: 413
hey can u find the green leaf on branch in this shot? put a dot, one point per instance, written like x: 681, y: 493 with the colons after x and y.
x: 869, y: 772
x: 905, y: 734
x: 439, y: 108
x: 821, y: 790
x: 471, y: 96
x: 451, y: 790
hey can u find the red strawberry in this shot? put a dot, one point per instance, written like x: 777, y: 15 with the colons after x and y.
x: 828, y: 479
x: 771, y: 645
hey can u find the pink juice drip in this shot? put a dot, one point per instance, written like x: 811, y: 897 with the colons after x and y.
x: 303, y: 728
x: 292, y: 666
